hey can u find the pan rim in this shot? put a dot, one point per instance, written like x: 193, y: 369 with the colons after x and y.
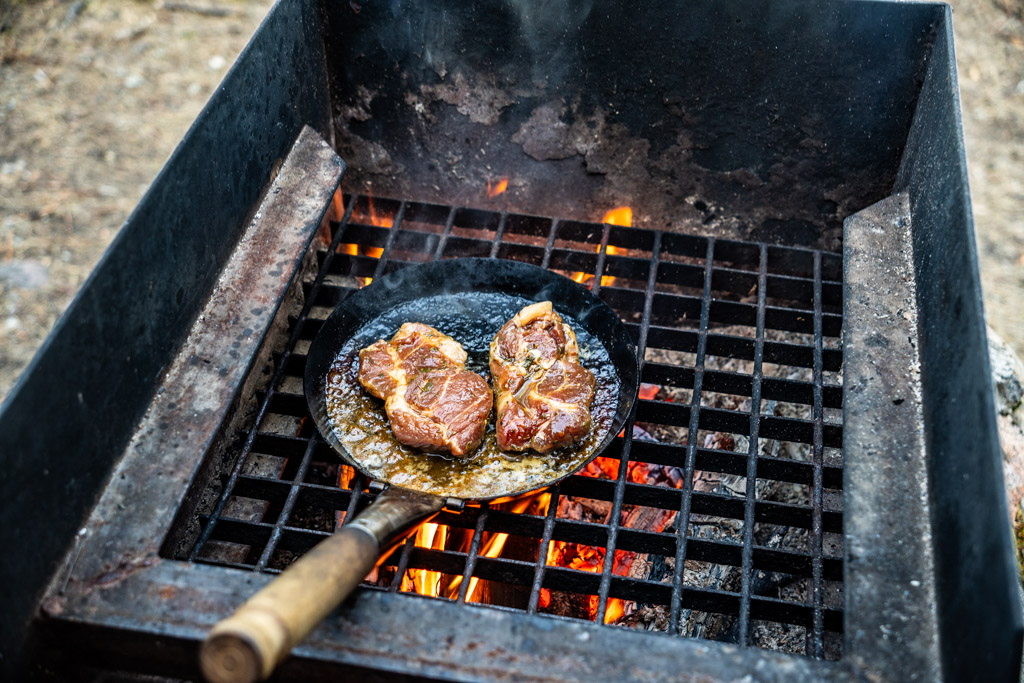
x: 322, y: 353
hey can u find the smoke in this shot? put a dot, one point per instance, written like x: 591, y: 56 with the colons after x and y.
x: 550, y: 30
x: 447, y: 36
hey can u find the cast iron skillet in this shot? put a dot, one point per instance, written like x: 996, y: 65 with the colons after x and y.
x: 468, y: 299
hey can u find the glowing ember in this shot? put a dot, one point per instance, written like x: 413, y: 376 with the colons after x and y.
x: 497, y: 188
x: 588, y: 559
x: 649, y: 391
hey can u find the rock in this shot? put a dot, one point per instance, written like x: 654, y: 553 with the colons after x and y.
x: 1008, y: 379
x: 545, y: 136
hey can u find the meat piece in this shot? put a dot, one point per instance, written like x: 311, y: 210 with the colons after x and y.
x: 431, y: 400
x: 542, y: 392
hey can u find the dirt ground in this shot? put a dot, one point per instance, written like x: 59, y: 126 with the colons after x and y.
x: 94, y: 95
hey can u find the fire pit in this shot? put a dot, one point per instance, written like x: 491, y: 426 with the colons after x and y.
x: 771, y: 197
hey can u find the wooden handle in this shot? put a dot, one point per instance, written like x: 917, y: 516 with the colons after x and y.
x: 247, y: 646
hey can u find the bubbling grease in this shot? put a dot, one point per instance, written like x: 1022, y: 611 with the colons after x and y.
x: 359, y: 423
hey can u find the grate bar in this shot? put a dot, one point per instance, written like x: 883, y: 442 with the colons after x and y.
x: 602, y: 253
x: 396, y: 226
x: 542, y: 551
x: 403, y: 563
x: 474, y: 551
x: 817, y: 632
x: 358, y: 486
x: 683, y: 517
x: 746, y: 576
x: 442, y: 242
x: 499, y: 234
x: 289, y: 505
x: 658, y: 298
x: 550, y: 246
x: 620, y: 482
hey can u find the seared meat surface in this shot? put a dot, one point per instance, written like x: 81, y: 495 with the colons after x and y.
x: 431, y: 400
x: 542, y: 392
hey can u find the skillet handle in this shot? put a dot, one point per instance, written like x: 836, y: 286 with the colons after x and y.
x: 246, y: 646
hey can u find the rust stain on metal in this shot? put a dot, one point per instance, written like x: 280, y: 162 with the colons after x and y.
x: 119, y: 573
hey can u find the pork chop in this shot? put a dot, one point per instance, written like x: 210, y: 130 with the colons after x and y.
x: 432, y: 401
x: 542, y: 392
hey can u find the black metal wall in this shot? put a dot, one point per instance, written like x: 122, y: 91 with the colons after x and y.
x: 75, y: 407
x: 978, y: 607
x: 787, y: 116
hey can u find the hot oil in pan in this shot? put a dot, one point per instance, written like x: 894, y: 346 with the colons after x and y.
x: 472, y: 319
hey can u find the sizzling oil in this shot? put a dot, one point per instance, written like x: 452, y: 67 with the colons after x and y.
x: 360, y: 423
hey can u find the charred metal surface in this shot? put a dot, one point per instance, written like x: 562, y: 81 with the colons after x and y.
x: 372, y: 632
x: 745, y: 120
x: 294, y: 199
x: 891, y: 580
x: 205, y: 386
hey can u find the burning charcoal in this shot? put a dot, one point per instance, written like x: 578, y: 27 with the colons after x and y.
x: 675, y: 475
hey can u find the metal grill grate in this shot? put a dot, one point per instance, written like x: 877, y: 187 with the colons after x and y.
x: 721, y: 516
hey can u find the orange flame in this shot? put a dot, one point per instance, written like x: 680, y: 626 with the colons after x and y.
x: 434, y: 536
x: 606, y: 280
x: 354, y: 250
x: 338, y: 205
x: 558, y: 553
x: 497, y: 188
x: 622, y: 215
x: 371, y: 215
x: 377, y: 219
x: 494, y: 546
x: 425, y: 581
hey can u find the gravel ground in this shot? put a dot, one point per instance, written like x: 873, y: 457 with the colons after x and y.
x: 94, y: 95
